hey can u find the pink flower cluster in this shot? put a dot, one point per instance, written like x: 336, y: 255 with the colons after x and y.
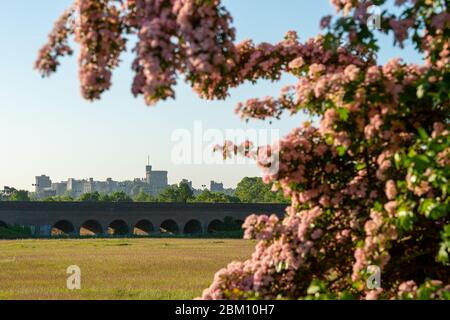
x: 400, y: 28
x: 378, y: 235
x: 261, y: 227
x: 258, y: 109
x: 186, y: 36
x: 344, y: 5
x: 309, y: 162
x: 156, y: 53
x: 207, y: 45
x: 99, y: 33
x: 321, y: 71
x: 57, y: 45
x: 277, y: 258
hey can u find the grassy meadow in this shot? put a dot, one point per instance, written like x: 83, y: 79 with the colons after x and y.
x: 115, y: 268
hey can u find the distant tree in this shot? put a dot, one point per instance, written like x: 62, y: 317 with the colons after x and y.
x: 185, y: 192
x: 208, y: 196
x: 19, y: 195
x: 181, y: 193
x: 64, y: 198
x: 50, y: 199
x: 254, y: 190
x: 119, y: 196
x: 169, y: 194
x: 15, y: 232
x: 33, y: 196
x: 144, y: 197
x: 104, y: 197
x: 90, y: 197
x: 232, y: 199
x: 6, y: 193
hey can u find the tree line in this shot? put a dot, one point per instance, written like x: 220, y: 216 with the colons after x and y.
x: 248, y: 190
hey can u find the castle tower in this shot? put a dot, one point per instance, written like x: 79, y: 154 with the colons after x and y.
x: 148, y: 172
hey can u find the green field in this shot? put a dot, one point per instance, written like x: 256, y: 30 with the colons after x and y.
x: 115, y: 268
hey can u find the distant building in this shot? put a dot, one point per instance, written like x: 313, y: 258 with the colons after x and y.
x: 42, y: 182
x: 148, y: 173
x: 75, y: 187
x: 60, y: 188
x: 43, y: 187
x: 216, y: 187
x: 154, y: 183
x: 157, y: 180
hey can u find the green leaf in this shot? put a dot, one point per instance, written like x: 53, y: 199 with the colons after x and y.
x: 444, y: 250
x: 343, y: 113
x: 405, y: 219
x: 329, y: 139
x: 427, y: 206
x: 360, y: 166
x: 423, y: 134
x: 421, y: 162
x: 442, y: 255
x: 341, y: 150
x: 316, y: 286
x: 378, y: 206
x: 433, y: 209
x: 397, y: 160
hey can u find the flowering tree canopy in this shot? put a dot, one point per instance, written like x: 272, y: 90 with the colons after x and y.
x: 369, y: 186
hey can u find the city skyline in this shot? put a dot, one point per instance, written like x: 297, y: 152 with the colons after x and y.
x: 154, y: 182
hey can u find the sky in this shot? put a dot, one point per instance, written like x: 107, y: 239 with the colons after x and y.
x: 47, y: 128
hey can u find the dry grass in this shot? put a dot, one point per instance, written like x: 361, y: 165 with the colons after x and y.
x: 115, y: 268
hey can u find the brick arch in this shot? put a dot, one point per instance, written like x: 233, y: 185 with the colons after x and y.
x: 143, y: 227
x: 193, y: 227
x: 169, y: 226
x: 62, y: 227
x: 215, y: 225
x: 91, y: 228
x: 118, y: 227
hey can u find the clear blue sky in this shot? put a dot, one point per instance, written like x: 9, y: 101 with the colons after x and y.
x: 48, y: 129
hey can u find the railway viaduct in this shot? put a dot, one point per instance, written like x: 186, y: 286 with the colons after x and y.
x: 101, y: 218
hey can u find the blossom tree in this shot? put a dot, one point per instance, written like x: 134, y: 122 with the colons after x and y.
x: 368, y: 186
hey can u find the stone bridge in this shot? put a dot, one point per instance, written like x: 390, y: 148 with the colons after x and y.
x: 101, y: 218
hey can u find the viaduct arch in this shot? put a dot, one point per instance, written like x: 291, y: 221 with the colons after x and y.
x: 143, y: 228
x: 193, y: 227
x: 105, y: 218
x: 63, y: 227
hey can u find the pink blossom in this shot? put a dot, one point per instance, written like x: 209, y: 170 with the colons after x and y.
x: 297, y: 63
x: 391, y: 190
x: 325, y: 22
